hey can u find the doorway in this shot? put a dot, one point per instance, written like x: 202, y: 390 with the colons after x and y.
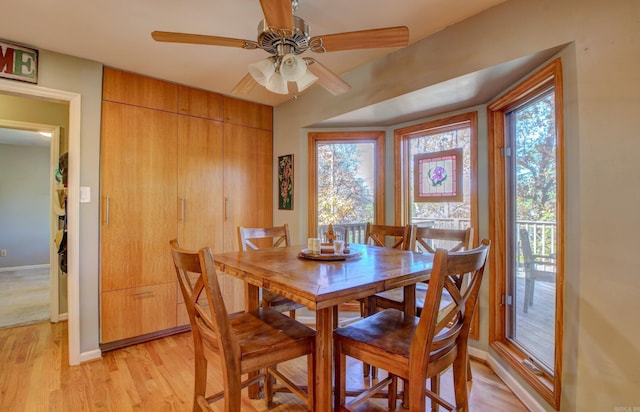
x: 73, y: 198
x: 32, y: 216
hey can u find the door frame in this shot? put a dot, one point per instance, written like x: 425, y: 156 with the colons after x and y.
x: 73, y: 199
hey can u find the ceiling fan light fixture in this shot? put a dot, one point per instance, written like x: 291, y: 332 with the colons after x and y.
x: 292, y: 68
x: 262, y: 71
x: 277, y: 84
x: 307, y: 80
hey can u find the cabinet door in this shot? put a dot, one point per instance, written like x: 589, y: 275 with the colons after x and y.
x: 248, y: 155
x: 139, y: 193
x: 200, y: 188
x: 125, y: 87
x: 247, y: 191
x: 133, y: 312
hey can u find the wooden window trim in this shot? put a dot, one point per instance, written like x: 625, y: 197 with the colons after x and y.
x: 549, y: 387
x: 401, y: 173
x: 377, y: 137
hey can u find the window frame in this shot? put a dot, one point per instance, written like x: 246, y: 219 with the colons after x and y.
x: 377, y: 137
x: 402, y: 182
x: 549, y: 387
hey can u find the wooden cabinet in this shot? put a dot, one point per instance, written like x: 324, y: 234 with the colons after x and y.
x: 175, y: 162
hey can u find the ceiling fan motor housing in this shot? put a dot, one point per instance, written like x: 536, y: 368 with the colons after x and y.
x: 277, y: 41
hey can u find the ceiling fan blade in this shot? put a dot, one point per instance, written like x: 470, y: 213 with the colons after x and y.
x: 244, y: 86
x: 166, y: 36
x: 326, y: 78
x: 278, y: 13
x: 364, y: 39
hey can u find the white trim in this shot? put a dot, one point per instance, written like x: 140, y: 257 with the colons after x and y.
x: 90, y: 355
x: 73, y: 207
x: 43, y: 266
x: 63, y: 316
x: 518, y: 390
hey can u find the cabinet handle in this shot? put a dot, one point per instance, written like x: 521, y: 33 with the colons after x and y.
x: 106, y: 211
x: 182, y: 209
x: 144, y: 292
x: 226, y: 209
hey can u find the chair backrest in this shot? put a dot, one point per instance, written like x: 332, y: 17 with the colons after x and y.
x: 540, y: 266
x: 428, y: 239
x: 396, y: 237
x: 209, y: 319
x: 254, y: 238
x: 441, y: 337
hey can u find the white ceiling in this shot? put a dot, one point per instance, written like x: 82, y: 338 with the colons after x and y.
x: 117, y: 33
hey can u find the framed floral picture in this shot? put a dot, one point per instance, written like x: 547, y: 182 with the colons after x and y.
x: 285, y: 182
x: 438, y: 176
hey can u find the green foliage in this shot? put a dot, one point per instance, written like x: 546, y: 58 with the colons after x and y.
x: 343, y: 195
x: 535, y: 160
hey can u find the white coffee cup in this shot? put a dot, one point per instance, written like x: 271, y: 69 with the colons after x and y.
x: 338, y: 247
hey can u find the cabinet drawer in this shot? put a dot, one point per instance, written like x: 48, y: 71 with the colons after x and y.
x: 132, y: 312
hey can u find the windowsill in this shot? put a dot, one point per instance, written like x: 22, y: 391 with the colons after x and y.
x: 543, y: 384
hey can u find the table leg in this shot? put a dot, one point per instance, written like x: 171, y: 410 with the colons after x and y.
x: 252, y: 302
x: 324, y: 360
x: 410, y: 299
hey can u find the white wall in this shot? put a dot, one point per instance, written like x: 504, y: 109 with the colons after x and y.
x: 25, y: 205
x: 71, y: 74
x: 601, y: 368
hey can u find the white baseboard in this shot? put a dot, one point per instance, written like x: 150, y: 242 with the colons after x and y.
x: 512, y: 383
x: 63, y: 316
x: 43, y: 266
x: 90, y: 355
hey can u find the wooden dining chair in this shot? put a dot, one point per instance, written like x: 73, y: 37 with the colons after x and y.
x: 536, y: 268
x: 255, y: 238
x: 425, y: 240
x: 247, y: 342
x: 396, y: 237
x: 417, y: 348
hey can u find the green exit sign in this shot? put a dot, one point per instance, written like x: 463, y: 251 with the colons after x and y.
x: 18, y: 62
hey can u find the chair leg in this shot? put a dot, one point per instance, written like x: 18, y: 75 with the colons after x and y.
x: 393, y: 392
x: 435, y: 388
x: 460, y: 384
x: 292, y: 314
x: 528, y: 286
x: 311, y: 380
x: 268, y: 387
x: 200, y: 381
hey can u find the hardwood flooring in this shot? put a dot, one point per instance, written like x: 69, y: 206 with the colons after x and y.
x: 157, y: 376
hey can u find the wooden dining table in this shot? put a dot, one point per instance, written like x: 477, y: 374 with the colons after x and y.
x: 322, y: 284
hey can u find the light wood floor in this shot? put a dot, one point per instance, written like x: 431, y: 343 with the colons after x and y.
x: 24, y: 296
x: 155, y: 376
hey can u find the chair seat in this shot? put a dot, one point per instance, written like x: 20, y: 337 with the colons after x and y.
x: 265, y: 331
x: 279, y: 303
x: 390, y: 330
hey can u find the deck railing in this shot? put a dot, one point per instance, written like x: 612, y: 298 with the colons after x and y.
x: 541, y: 234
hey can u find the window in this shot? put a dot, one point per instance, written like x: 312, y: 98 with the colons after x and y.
x: 346, y: 182
x: 526, y: 191
x: 434, y: 147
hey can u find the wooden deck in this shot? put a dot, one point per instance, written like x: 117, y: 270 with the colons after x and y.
x: 158, y: 376
x: 536, y: 328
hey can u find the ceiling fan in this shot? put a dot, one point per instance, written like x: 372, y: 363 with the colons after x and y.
x: 285, y: 36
